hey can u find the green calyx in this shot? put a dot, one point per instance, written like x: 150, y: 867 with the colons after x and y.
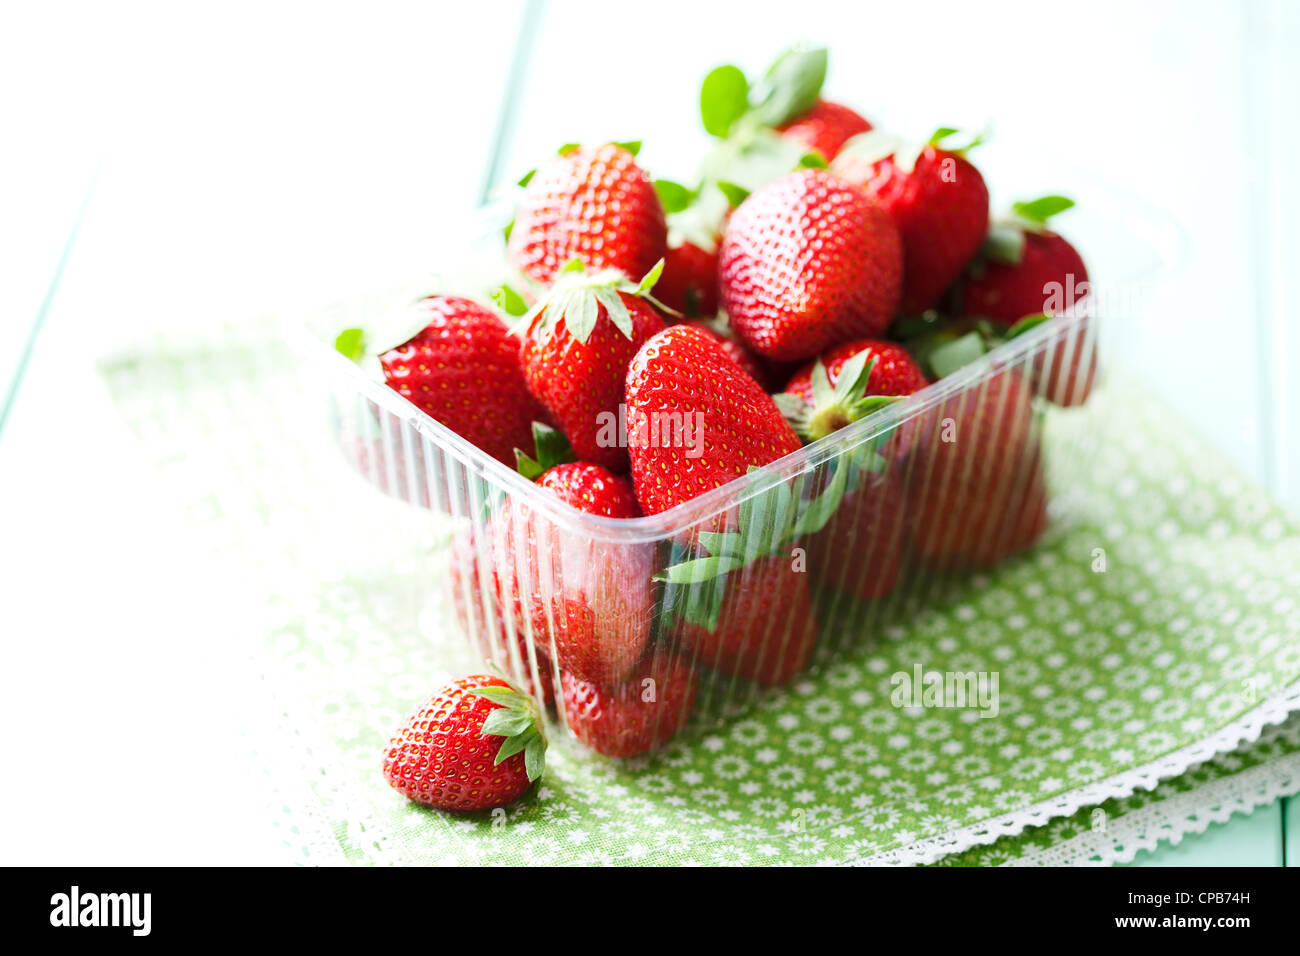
x: 509, y: 301
x: 834, y: 406
x: 768, y: 523
x: 730, y: 104
x: 352, y: 343
x: 387, y: 329
x: 550, y: 448
x: 1005, y: 242
x: 689, y: 219
x: 877, y: 144
x: 744, y: 116
x: 517, y: 719
x: 577, y: 296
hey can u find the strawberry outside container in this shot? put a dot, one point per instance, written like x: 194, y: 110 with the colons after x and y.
x: 634, y: 630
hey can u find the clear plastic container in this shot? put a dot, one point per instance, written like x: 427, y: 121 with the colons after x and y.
x: 889, y: 511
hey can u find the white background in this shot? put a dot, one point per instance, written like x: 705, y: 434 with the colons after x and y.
x: 252, y: 158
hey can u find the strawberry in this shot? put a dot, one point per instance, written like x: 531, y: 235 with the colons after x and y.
x: 755, y: 622
x: 825, y: 128
x: 476, y: 743
x: 806, y: 262
x: 478, y: 610
x: 892, y: 372
x: 386, y: 464
x: 589, y: 203
x: 690, y: 280
x: 576, y: 348
x: 592, y: 489
x: 937, y: 199
x: 1025, y: 270
x: 747, y: 360
x: 861, y: 549
x: 463, y: 369
x: 976, y: 492
x: 725, y: 423
x: 634, y: 717
x: 585, y: 600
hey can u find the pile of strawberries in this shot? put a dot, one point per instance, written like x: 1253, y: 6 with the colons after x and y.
x: 819, y: 271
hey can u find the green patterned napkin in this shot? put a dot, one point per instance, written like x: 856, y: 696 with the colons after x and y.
x: 1156, y: 627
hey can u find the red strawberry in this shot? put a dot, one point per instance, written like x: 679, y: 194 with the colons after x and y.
x: 575, y: 354
x: 938, y: 201
x: 860, y: 550
x: 593, y: 204
x: 1047, y: 276
x: 764, y: 628
x: 634, y: 717
x: 825, y: 128
x: 1026, y: 270
x: 463, y: 370
x: 808, y: 261
x: 592, y: 489
x: 975, y: 490
x: 478, y: 610
x: 1065, y: 374
x: 747, y: 360
x: 476, y: 743
x: 893, y: 370
x: 726, y: 422
x: 690, y: 280
x: 386, y: 464
x: 586, y: 601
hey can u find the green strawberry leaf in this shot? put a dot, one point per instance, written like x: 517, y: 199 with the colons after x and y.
x: 504, y: 696
x: 567, y: 148
x: 1004, y: 244
x: 535, y: 757
x: 617, y: 310
x: 914, y: 326
x: 527, y: 177
x: 724, y: 98
x: 795, y: 411
x: 352, y: 343
x: 735, y: 194
x: 720, y: 544
x: 872, y: 403
x: 791, y: 86
x: 509, y: 228
x: 1042, y: 209
x: 812, y: 160
x: 674, y: 197
x: 633, y: 146
x: 650, y: 278
x: 950, y: 356
x: 698, y: 570
x: 509, y: 301
x: 511, y: 746
x: 1024, y: 325
x: 506, y: 722
x: 517, y: 719
x: 702, y: 605
x: 551, y: 449
x: 853, y: 378
x: 820, y: 509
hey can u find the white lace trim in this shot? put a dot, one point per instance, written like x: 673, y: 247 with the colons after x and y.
x: 1173, y: 818
x: 1246, y: 729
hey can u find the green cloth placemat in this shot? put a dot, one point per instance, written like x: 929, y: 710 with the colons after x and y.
x: 1185, y: 646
